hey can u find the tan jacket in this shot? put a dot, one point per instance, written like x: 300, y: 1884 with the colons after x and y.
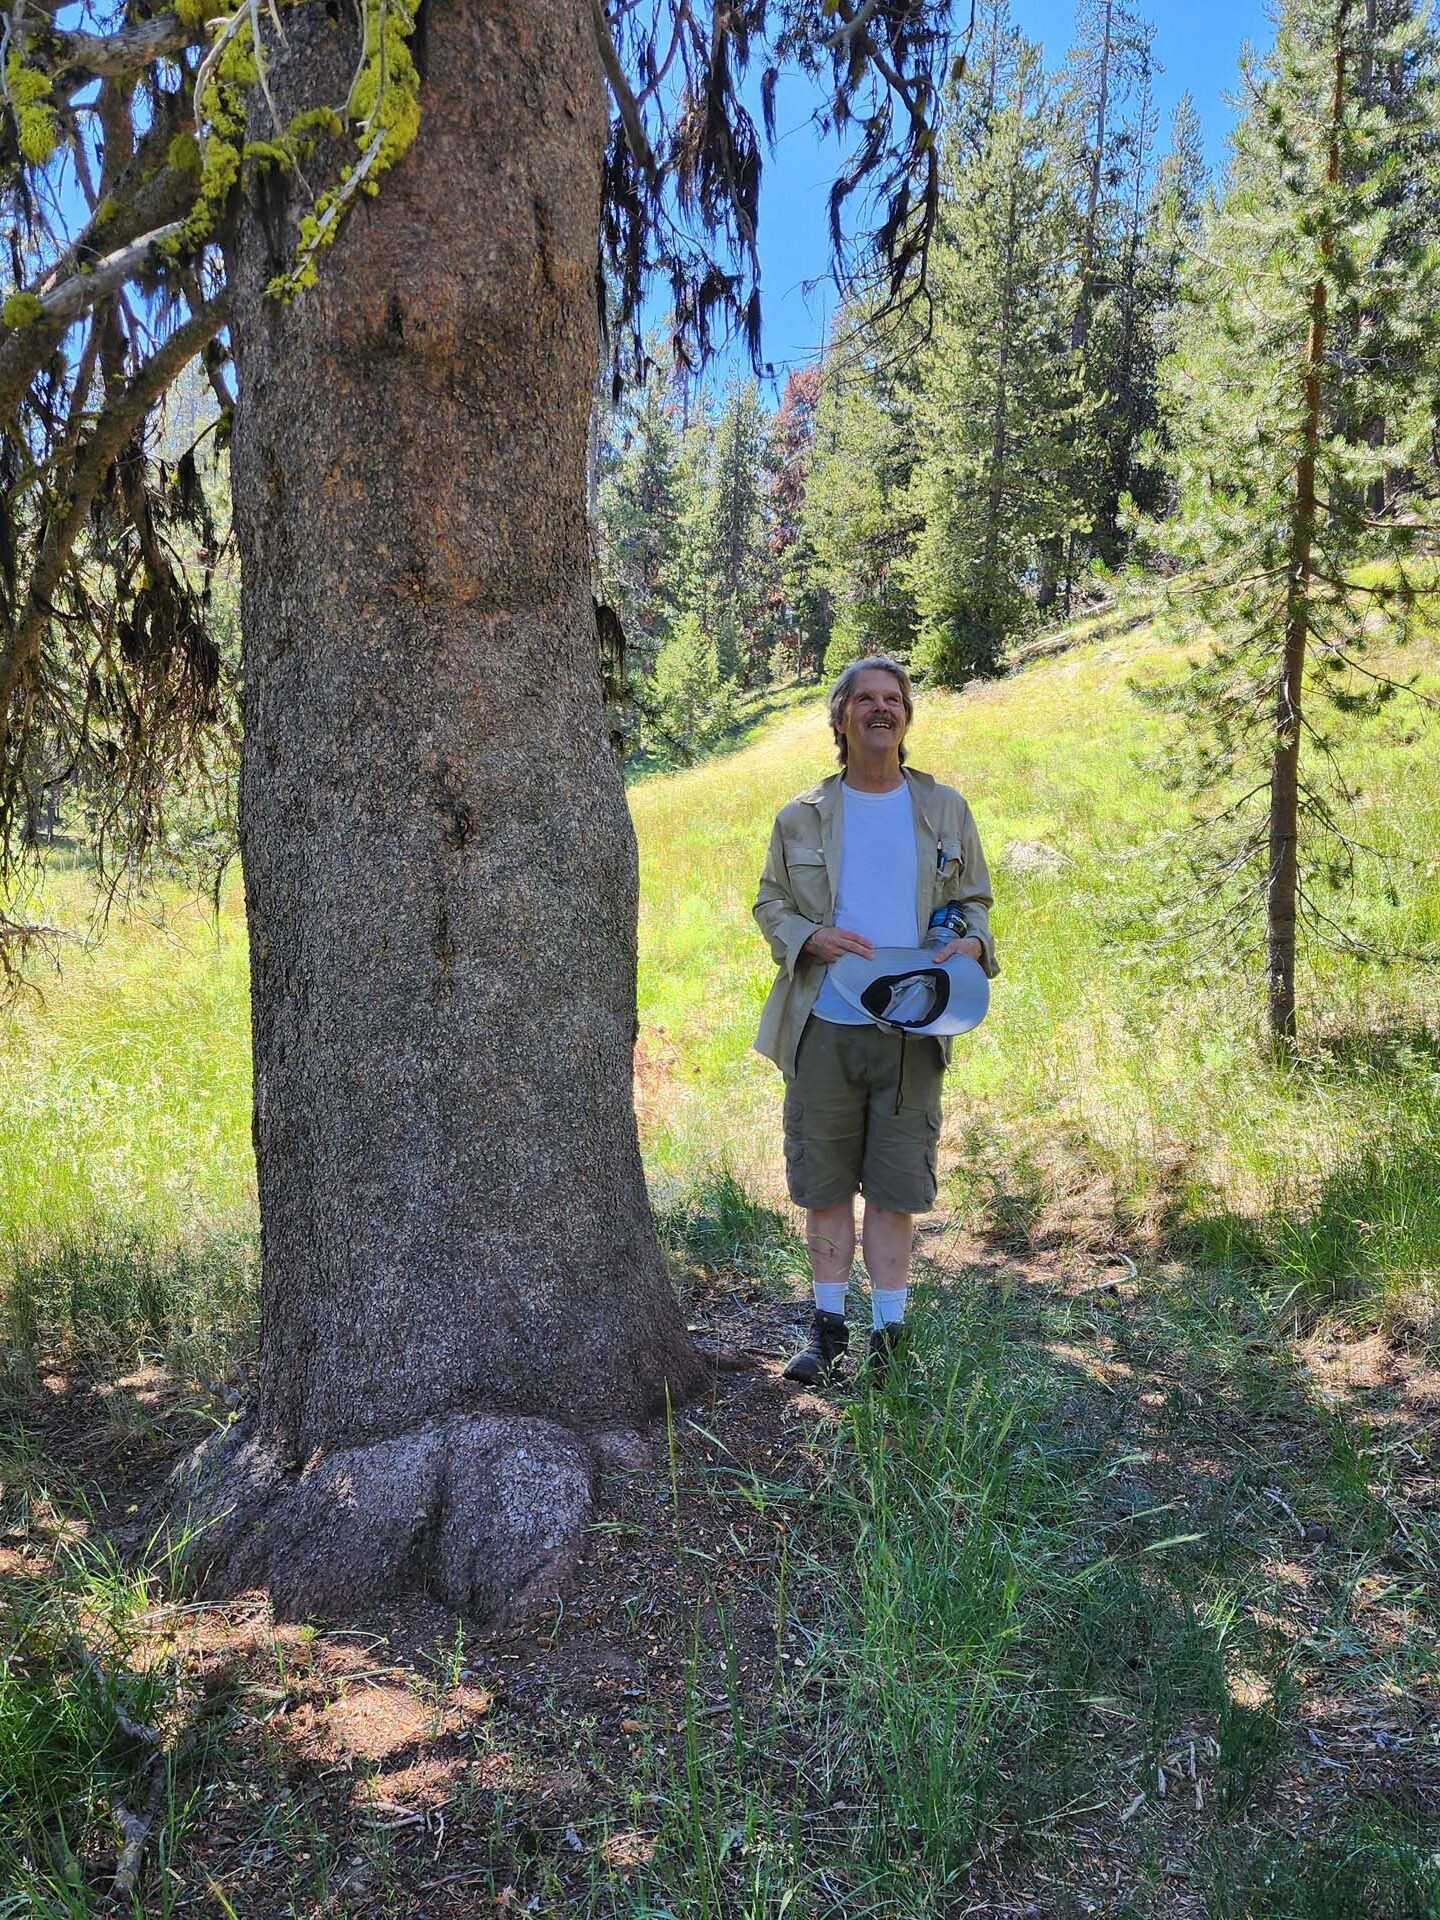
x: 802, y: 871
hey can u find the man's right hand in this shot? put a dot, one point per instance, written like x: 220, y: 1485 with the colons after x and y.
x: 828, y: 943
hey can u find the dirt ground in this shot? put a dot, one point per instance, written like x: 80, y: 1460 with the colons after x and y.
x: 406, y: 1764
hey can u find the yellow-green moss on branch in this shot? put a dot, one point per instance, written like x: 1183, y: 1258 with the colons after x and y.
x: 27, y: 93
x: 381, y: 112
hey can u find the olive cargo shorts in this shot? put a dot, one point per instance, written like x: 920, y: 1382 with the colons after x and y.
x: 854, y: 1122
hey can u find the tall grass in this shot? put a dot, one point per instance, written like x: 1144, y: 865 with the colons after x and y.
x: 1117, y: 1089
x: 1120, y: 1083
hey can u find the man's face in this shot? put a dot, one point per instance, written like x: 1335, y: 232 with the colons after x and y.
x: 875, y: 713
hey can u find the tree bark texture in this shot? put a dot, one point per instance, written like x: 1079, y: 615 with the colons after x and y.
x: 461, y: 1284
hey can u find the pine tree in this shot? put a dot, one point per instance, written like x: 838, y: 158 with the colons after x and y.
x: 1312, y: 301
x: 801, y: 598
x: 999, y: 410
x: 689, y: 705
x: 733, y: 550
x: 639, y: 522
x: 1110, y: 133
x: 859, y: 517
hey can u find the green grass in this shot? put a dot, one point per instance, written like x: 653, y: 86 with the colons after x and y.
x: 87, y: 1709
x: 1013, y: 1604
x: 1120, y: 1080
x: 1009, y: 1596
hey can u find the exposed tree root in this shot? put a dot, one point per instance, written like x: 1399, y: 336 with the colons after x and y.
x: 486, y: 1512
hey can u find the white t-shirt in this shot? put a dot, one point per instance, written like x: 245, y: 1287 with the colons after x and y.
x: 876, y: 893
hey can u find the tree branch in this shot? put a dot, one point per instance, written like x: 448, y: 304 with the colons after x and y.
x: 625, y: 101
x: 855, y: 23
x: 108, y: 56
x: 82, y: 291
x: 112, y: 430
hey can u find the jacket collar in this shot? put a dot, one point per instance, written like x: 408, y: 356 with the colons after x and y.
x: 826, y: 800
x: 825, y: 794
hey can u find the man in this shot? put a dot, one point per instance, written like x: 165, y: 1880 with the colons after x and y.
x: 859, y: 862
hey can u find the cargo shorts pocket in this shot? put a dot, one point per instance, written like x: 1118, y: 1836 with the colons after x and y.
x: 794, y: 1140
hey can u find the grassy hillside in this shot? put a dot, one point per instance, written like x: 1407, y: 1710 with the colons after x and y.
x: 1119, y: 1083
x: 1122, y: 1603
x: 1117, y: 1090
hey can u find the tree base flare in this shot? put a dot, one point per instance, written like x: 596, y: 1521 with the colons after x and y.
x: 484, y: 1512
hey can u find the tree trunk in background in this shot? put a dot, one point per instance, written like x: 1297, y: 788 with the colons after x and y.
x: 461, y: 1285
x: 1282, y: 892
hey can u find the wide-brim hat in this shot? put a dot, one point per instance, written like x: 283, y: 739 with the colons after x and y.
x: 903, y: 988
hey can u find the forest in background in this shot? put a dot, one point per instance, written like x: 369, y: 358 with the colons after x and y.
x: 1125, y: 1602
x: 1106, y: 386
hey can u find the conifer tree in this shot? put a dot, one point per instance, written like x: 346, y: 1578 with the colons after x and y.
x: 1311, y: 304
x: 1108, y: 156
x: 639, y: 523
x: 999, y: 412
x: 689, y: 706
x: 733, y: 554
x: 801, y: 595
x: 859, y: 517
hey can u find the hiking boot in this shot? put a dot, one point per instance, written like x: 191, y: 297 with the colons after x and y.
x: 829, y: 1339
x: 887, y: 1349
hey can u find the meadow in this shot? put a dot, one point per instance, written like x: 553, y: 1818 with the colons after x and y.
x: 1126, y: 1606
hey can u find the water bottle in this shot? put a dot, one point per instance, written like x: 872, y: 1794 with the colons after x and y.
x: 947, y: 923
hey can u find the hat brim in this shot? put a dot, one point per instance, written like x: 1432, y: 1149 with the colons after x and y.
x: 961, y: 1003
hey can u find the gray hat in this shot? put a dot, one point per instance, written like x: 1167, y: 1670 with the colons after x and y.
x: 903, y: 990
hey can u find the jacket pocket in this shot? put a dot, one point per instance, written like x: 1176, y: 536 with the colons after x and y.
x: 809, y: 882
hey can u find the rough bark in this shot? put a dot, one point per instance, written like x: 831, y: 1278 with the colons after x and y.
x: 461, y: 1285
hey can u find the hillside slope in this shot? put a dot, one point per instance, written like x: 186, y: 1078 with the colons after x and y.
x: 1117, y: 1084
x: 1120, y: 1070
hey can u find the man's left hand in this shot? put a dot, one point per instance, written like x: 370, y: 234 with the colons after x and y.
x: 969, y: 946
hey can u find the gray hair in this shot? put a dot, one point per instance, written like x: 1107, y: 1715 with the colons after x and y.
x: 844, y: 686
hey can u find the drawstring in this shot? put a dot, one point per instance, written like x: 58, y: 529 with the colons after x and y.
x: 900, y: 1084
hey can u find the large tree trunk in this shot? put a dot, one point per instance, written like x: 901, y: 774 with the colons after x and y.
x: 461, y: 1286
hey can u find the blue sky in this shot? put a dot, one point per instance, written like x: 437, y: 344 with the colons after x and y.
x: 1197, y: 45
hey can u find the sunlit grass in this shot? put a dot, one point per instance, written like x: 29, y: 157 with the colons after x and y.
x: 1119, y: 1085
x: 1128, y: 1074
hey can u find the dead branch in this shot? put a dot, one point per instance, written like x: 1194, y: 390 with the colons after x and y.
x: 107, y: 56
x: 77, y: 295
x: 625, y: 102
x: 111, y: 431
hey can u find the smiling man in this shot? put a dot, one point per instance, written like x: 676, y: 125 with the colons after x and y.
x: 859, y: 862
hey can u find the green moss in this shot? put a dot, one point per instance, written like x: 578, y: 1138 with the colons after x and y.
x: 269, y: 153
x: 183, y: 154
x: 382, y: 114
x: 20, y: 309
x: 28, y: 92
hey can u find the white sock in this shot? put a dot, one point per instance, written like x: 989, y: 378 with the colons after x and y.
x: 830, y: 1296
x: 887, y: 1308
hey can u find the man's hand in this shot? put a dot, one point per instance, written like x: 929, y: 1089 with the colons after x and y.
x: 828, y: 943
x: 969, y: 946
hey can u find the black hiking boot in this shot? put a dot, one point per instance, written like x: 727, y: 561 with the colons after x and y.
x: 829, y: 1339
x: 887, y: 1351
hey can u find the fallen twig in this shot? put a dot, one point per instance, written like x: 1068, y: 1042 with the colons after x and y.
x: 135, y: 1827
